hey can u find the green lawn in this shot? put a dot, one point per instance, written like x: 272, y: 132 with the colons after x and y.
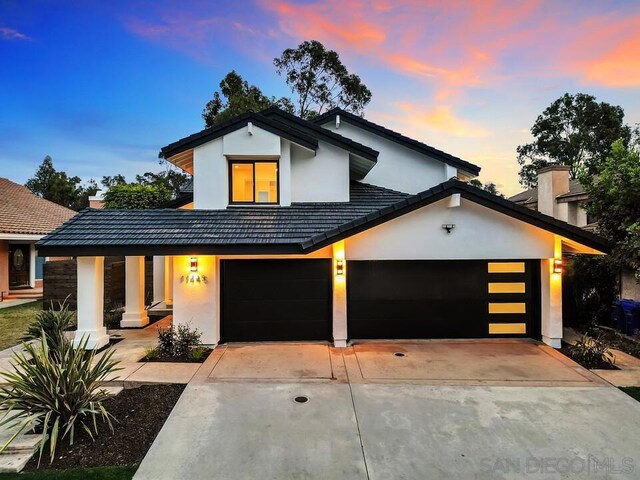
x: 14, y: 321
x: 98, y: 473
x: 632, y: 392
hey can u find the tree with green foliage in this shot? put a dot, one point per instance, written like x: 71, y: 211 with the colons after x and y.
x: 237, y: 96
x: 320, y: 80
x: 58, y: 187
x: 133, y: 196
x: 172, y: 179
x: 489, y: 187
x: 575, y: 130
x: 614, y: 200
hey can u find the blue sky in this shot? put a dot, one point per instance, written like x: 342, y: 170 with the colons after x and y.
x: 101, y: 86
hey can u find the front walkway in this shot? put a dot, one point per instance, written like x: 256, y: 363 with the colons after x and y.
x: 440, y: 410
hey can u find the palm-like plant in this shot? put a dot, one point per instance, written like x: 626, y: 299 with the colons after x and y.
x: 53, y: 323
x: 57, y: 391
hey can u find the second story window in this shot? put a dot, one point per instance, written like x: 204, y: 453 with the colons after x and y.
x: 253, y: 182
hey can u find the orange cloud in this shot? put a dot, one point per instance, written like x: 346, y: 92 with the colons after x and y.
x: 416, y: 119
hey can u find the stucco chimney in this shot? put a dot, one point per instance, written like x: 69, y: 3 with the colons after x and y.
x: 97, y: 200
x: 552, y: 181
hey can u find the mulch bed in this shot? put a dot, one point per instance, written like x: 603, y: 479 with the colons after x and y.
x: 178, y: 359
x: 599, y: 365
x: 140, y: 413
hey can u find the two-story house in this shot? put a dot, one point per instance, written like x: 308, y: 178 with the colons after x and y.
x: 337, y: 230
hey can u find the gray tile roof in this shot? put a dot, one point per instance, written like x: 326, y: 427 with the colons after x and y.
x: 232, y: 226
x: 531, y: 195
x: 298, y: 229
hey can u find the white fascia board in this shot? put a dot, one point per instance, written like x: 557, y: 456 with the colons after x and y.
x: 19, y: 236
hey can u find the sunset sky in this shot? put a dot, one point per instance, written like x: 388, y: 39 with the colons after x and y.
x: 101, y: 86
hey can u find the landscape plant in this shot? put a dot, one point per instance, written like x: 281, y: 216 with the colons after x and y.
x: 592, y: 352
x: 52, y: 323
x: 59, y: 392
x: 179, y: 342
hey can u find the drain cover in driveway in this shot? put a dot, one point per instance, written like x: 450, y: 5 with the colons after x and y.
x: 301, y: 399
x: 399, y: 354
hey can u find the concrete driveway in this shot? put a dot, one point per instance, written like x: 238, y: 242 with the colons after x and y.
x: 363, y: 422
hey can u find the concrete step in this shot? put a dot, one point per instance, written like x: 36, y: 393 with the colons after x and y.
x: 14, y: 462
x: 25, y: 444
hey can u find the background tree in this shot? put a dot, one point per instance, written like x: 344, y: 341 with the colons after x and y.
x: 614, y: 200
x: 487, y: 187
x: 237, y: 96
x: 320, y: 80
x: 58, y: 187
x: 134, y: 196
x: 575, y: 130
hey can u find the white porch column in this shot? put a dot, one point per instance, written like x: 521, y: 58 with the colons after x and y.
x: 91, y: 303
x: 339, y: 296
x: 551, y: 300
x: 159, y: 280
x: 196, y: 302
x: 32, y: 265
x: 168, y: 281
x: 134, y: 313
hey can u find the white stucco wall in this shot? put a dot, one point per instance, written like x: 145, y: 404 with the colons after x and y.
x: 197, y: 303
x: 398, y: 167
x: 479, y: 233
x: 210, y: 181
x: 323, y: 177
x: 260, y: 142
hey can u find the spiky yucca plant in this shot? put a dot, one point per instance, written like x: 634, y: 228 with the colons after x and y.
x: 53, y: 323
x: 57, y: 391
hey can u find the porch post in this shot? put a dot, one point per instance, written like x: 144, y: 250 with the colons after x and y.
x: 168, y: 281
x: 551, y: 300
x: 134, y: 313
x: 32, y: 265
x: 158, y: 279
x: 4, y: 266
x: 91, y: 303
x: 339, y: 296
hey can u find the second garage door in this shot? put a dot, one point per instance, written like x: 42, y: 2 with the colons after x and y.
x: 442, y: 299
x: 275, y: 300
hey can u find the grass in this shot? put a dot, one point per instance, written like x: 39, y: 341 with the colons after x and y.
x: 14, y: 322
x: 632, y: 392
x: 98, y: 473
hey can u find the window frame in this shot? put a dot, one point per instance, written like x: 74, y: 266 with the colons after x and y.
x: 252, y: 162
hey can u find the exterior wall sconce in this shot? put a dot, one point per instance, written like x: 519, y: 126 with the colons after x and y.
x: 448, y: 227
x: 340, y: 267
x: 557, y: 265
x: 194, y: 276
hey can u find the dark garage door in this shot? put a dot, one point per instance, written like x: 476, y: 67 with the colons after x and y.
x: 442, y: 299
x: 267, y: 300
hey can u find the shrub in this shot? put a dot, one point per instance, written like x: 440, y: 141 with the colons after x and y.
x: 150, y: 353
x: 113, y: 317
x: 58, y: 392
x: 52, y: 323
x: 196, y: 354
x: 178, y: 341
x: 592, y: 352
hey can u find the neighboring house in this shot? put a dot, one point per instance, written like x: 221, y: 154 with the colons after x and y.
x: 24, y: 219
x: 334, y: 230
x: 563, y: 198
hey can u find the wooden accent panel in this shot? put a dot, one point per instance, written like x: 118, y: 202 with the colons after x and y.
x: 506, y: 267
x: 507, y: 328
x: 507, y: 287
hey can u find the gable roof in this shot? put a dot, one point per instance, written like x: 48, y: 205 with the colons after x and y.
x: 233, y: 124
x: 320, y: 133
x: 298, y: 229
x: 531, y: 196
x: 22, y: 212
x: 400, y: 139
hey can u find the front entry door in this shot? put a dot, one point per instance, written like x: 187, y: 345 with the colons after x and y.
x: 19, y: 266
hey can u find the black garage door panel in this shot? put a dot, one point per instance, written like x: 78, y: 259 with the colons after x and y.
x: 429, y: 299
x: 271, y: 300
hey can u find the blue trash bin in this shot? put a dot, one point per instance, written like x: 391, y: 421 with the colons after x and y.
x: 630, y: 322
x: 618, y: 320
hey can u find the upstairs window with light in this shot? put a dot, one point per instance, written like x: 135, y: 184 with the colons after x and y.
x: 253, y: 182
